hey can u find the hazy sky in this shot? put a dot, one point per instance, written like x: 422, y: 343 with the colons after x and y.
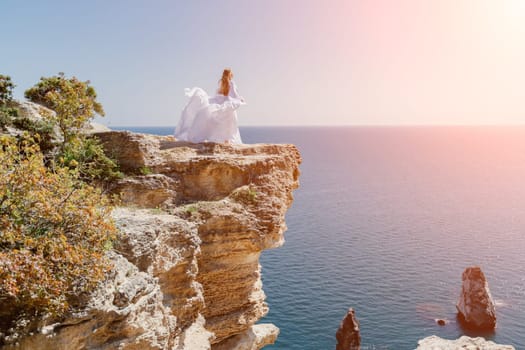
x: 296, y: 62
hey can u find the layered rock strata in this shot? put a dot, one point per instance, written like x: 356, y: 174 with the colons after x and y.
x: 463, y: 343
x: 186, y: 267
x: 476, y: 308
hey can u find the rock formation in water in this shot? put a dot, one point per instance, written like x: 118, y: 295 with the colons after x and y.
x: 193, y: 222
x: 476, y: 309
x: 463, y: 343
x: 348, y: 337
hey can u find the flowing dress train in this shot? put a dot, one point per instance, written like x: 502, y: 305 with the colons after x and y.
x: 212, y: 119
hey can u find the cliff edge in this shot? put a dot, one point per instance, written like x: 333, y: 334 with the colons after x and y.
x: 194, y: 220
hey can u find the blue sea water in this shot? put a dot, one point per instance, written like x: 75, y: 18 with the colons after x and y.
x: 385, y: 221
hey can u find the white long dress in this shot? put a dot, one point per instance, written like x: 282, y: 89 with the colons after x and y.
x: 212, y: 119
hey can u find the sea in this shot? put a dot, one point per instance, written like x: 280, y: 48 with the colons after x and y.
x: 385, y: 221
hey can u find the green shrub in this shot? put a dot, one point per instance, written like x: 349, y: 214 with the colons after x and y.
x: 54, y: 230
x: 6, y: 116
x: 88, y: 157
x: 41, y: 130
x: 7, y: 113
x: 192, y: 209
x: 6, y: 89
x: 245, y: 194
x: 145, y: 170
x: 5, y: 119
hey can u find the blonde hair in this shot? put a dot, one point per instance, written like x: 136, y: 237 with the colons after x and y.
x: 224, y: 88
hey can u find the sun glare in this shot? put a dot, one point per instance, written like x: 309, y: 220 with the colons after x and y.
x: 514, y: 10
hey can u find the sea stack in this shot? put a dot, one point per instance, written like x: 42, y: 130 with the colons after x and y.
x: 348, y: 337
x: 476, y: 308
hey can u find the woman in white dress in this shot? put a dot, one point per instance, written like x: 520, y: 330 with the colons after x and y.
x: 212, y: 119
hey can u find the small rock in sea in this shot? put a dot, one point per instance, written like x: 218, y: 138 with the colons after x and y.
x: 348, y: 337
x: 441, y: 322
x: 476, y: 308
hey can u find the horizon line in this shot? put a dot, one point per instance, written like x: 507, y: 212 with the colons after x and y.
x: 333, y: 125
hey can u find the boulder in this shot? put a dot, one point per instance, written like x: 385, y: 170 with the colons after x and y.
x: 348, y: 337
x: 441, y: 321
x: 93, y: 128
x: 476, y: 308
x: 463, y: 343
x: 255, y: 338
x: 34, y: 113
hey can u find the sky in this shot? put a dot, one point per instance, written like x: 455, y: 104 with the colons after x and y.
x: 296, y: 62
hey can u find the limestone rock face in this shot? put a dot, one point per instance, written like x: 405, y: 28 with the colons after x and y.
x: 34, y: 113
x: 93, y: 128
x: 186, y: 276
x: 126, y: 311
x: 148, y: 191
x: 37, y: 113
x: 133, y: 151
x: 255, y: 338
x: 476, y: 309
x: 348, y: 337
x: 463, y: 343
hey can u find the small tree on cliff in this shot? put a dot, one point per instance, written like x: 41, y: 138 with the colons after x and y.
x: 74, y: 101
x: 6, y: 89
x: 7, y: 112
x: 75, y: 104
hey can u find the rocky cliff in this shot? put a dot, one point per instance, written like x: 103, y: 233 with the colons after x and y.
x: 194, y: 220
